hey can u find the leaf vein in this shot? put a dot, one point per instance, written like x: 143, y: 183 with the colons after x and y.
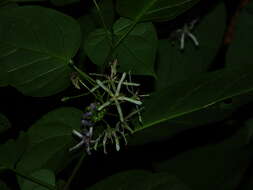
x: 29, y: 63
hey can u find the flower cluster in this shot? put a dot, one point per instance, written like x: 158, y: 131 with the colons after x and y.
x: 87, y: 123
x: 110, y: 93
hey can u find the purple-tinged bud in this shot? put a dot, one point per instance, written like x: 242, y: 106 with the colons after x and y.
x: 93, y: 106
x: 86, y: 123
x: 87, y: 115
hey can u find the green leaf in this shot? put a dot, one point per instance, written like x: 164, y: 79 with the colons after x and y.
x: 63, y: 2
x: 216, y: 166
x: 88, y: 25
x: 36, y: 45
x: 240, y: 51
x: 4, y: 123
x: 43, y: 175
x: 153, y: 10
x: 136, y: 53
x: 187, y: 97
x: 214, y: 113
x: 50, y: 138
x: 12, y: 151
x: 138, y: 179
x: 175, y: 65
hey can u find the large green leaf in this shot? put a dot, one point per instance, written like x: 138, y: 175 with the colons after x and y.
x: 4, y: 123
x: 136, y: 53
x: 218, y: 166
x: 240, y: 51
x: 138, y: 179
x: 46, y: 176
x: 49, y: 141
x: 174, y: 65
x: 36, y: 45
x: 153, y: 10
x: 12, y: 151
x: 190, y: 96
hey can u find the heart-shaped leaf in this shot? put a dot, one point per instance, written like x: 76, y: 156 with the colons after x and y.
x: 136, y: 53
x: 138, y: 179
x: 153, y: 10
x: 46, y: 176
x: 174, y: 65
x: 36, y: 46
x: 187, y: 97
x: 49, y: 141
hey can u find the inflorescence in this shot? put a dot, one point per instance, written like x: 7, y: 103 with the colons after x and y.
x: 111, y: 92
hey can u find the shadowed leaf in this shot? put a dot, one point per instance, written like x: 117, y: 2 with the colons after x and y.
x: 36, y: 45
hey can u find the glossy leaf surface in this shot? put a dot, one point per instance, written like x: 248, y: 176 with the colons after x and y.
x: 136, y: 53
x: 36, y: 45
x: 190, y: 96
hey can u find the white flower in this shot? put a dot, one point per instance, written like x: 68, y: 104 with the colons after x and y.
x: 186, y: 32
x: 85, y: 139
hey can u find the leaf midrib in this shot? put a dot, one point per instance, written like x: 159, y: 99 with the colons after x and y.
x: 36, y: 51
x: 33, y: 50
x: 192, y: 110
x: 29, y: 64
x: 41, y: 75
x: 169, y: 7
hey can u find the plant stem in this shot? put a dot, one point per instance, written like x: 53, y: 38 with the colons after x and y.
x: 75, y: 171
x: 83, y: 74
x: 64, y: 99
x: 135, y: 22
x: 125, y: 35
x: 119, y: 41
x: 103, y: 23
x: 34, y: 180
x: 109, y: 36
